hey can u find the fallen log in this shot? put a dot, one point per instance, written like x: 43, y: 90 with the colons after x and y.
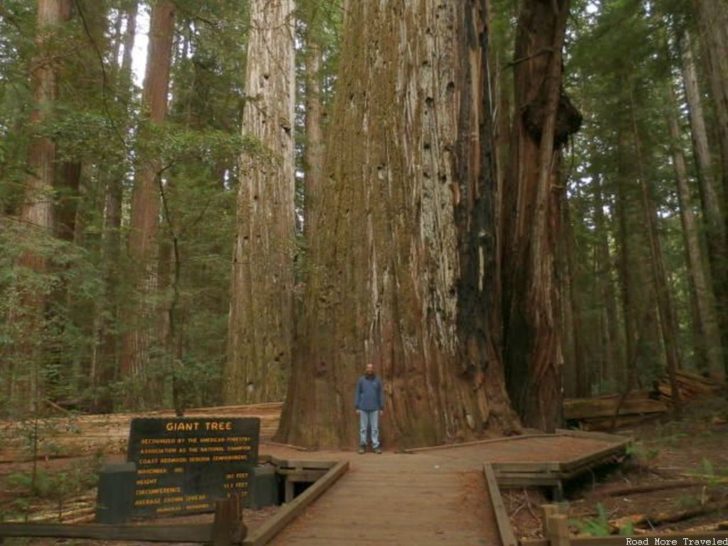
x: 608, y: 423
x: 647, y: 487
x: 654, y: 520
x: 589, y: 408
x: 696, y: 379
x: 708, y: 478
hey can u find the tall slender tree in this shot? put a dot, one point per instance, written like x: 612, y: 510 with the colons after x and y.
x: 261, y: 303
x: 144, y: 223
x: 612, y: 360
x: 36, y: 211
x: 712, y: 17
x: 702, y: 151
x: 665, y: 306
x: 709, y: 343
x: 714, y: 212
x: 106, y: 367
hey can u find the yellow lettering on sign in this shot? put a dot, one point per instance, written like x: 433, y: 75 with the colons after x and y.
x: 198, y: 459
x: 229, y: 457
x: 184, y: 426
x: 147, y: 502
x: 151, y: 471
x: 219, y: 425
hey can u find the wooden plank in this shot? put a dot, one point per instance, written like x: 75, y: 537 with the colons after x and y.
x: 500, y: 474
x: 271, y: 527
x: 293, y: 464
x: 559, y: 530
x: 517, y: 481
x: 303, y: 471
x: 508, y: 537
x: 600, y: 436
x: 535, y: 467
x: 288, y: 491
x: 478, y: 442
x: 289, y: 446
x: 99, y: 531
x: 228, y: 528
x: 595, y: 456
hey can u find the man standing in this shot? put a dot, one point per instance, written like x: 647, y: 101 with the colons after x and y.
x: 369, y: 406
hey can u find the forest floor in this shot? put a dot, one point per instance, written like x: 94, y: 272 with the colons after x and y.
x: 689, y: 455
x: 676, y: 479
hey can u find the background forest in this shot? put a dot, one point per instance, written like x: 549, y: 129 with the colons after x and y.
x: 166, y: 238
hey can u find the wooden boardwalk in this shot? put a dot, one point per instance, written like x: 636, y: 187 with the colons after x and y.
x: 398, y: 499
x: 430, y: 497
x: 433, y: 497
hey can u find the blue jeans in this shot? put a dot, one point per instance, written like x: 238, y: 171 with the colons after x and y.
x: 369, y: 419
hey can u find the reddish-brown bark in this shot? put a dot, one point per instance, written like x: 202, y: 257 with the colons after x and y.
x: 144, y: 225
x: 261, y: 302
x: 403, y: 271
x: 544, y: 119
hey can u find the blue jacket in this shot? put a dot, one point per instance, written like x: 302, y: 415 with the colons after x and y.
x: 369, y: 394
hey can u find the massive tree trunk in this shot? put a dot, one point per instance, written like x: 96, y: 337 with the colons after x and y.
x: 144, y: 225
x: 403, y: 271
x: 261, y: 304
x: 709, y: 342
x: 543, y: 122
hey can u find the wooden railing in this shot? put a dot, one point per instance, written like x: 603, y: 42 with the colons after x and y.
x: 555, y: 519
x: 227, y: 529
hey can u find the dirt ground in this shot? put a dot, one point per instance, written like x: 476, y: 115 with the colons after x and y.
x: 686, y: 461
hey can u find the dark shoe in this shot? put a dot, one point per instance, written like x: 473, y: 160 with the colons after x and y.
x: 361, y: 449
x: 378, y: 451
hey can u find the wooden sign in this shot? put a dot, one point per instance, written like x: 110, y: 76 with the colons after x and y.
x: 183, y: 465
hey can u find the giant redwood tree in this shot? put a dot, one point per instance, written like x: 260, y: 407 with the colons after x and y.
x: 544, y: 119
x: 403, y: 271
x: 261, y: 303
